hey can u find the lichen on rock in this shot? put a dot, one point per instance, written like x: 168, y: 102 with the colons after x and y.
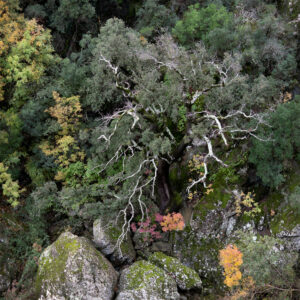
x: 185, y: 277
x: 143, y: 280
x: 201, y: 254
x: 71, y: 268
x: 105, y: 238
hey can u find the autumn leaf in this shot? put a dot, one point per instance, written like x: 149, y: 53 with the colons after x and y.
x: 231, y: 259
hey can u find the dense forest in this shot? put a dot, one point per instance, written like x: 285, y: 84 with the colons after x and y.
x: 163, y: 133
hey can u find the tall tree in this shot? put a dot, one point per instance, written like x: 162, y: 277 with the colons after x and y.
x: 164, y: 99
x: 25, y: 54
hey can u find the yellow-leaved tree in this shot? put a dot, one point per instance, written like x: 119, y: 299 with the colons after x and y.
x: 231, y: 259
x: 25, y: 52
x: 65, y: 149
x: 10, y: 188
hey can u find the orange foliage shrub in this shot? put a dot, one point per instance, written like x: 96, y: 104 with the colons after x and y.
x: 172, y: 221
x: 248, y: 287
x: 231, y: 259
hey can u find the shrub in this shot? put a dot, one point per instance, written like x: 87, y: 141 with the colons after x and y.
x: 275, y: 157
x: 198, y: 22
x: 231, y: 259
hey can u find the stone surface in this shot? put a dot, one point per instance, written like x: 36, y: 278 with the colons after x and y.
x: 200, y: 254
x: 105, y: 238
x: 185, y: 277
x: 161, y: 246
x: 71, y: 268
x: 292, y: 237
x: 143, y: 280
x: 141, y: 240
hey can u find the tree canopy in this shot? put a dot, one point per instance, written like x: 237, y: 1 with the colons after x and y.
x: 115, y: 107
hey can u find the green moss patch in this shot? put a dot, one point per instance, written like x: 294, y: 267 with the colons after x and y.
x: 114, y: 233
x: 52, y: 263
x: 185, y: 277
x: 202, y: 255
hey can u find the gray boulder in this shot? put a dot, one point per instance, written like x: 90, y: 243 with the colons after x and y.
x: 143, y: 280
x: 105, y: 238
x: 185, y: 277
x: 200, y: 254
x: 292, y: 237
x: 71, y: 268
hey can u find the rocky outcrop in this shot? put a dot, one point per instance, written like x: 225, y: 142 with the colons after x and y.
x: 141, y: 240
x: 200, y: 254
x: 292, y: 237
x: 143, y: 280
x: 185, y: 277
x: 71, y: 268
x: 105, y: 238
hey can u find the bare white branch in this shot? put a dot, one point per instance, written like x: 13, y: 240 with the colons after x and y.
x: 137, y: 189
x: 109, y: 64
x: 210, y: 154
x: 215, y: 118
x: 196, y: 95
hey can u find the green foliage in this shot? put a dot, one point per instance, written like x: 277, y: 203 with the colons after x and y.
x: 294, y: 199
x: 266, y: 262
x: 35, y: 173
x: 273, y: 158
x: 35, y: 11
x: 134, y: 116
x: 182, y: 121
x: 28, y: 60
x: 26, y: 237
x: 72, y: 12
x: 44, y: 198
x: 10, y: 188
x: 65, y: 149
x: 260, y: 38
x: 198, y: 22
x: 154, y: 17
x: 115, y: 42
x: 10, y: 133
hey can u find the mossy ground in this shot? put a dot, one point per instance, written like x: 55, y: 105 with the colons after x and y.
x: 285, y: 217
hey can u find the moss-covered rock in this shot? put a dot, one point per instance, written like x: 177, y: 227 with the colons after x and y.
x: 185, y: 277
x: 71, y: 268
x: 201, y: 254
x: 143, y: 280
x: 105, y: 238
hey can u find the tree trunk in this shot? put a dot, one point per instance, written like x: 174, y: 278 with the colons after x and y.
x: 163, y: 183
